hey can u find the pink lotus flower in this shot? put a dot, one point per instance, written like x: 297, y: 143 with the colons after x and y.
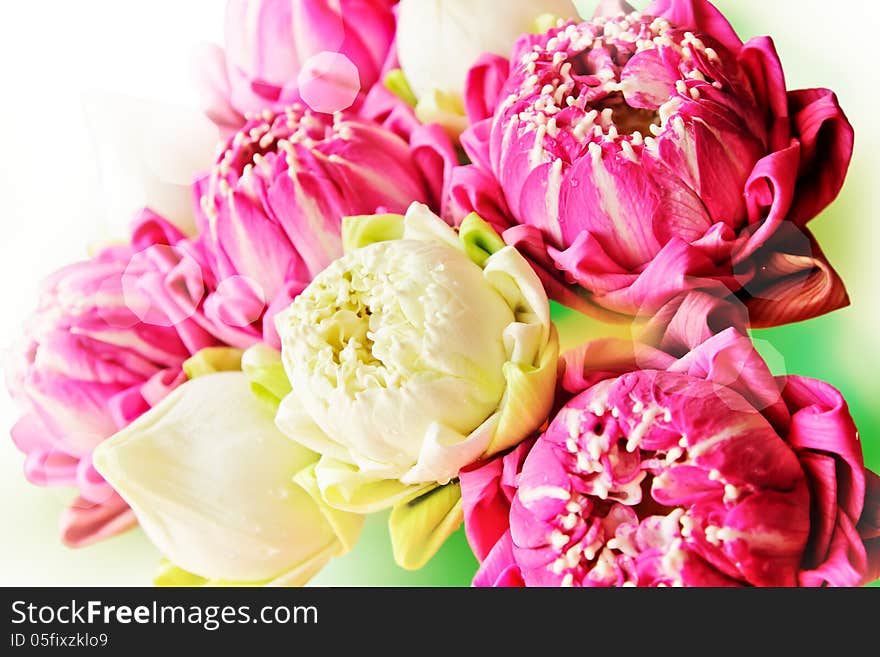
x: 272, y: 206
x: 642, y: 156
x: 701, y: 471
x: 106, y: 344
x: 327, y: 52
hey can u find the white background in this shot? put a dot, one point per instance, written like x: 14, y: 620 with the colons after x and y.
x: 58, y: 56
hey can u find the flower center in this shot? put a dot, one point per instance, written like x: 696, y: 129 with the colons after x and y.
x: 597, y: 531
x: 640, y: 498
x: 346, y: 313
x: 267, y: 140
x: 383, y: 316
x: 594, y: 86
x: 394, y: 342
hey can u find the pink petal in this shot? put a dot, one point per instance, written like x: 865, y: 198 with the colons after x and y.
x: 434, y: 155
x: 647, y: 81
x: 212, y: 83
x: 484, y: 83
x: 486, y: 507
x: 772, y: 529
x: 691, y: 318
x: 826, y: 139
x: 769, y: 192
x: 256, y: 245
x: 597, y: 360
x: 84, y: 523
x: 761, y: 64
x: 794, y: 281
x: 729, y: 359
x: 821, y: 422
x: 869, y: 525
x: 50, y: 468
x: 472, y: 189
x: 499, y: 568
x: 845, y: 563
x: 697, y: 16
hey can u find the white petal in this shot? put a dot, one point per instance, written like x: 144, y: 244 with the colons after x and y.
x: 211, y: 481
x: 439, y: 40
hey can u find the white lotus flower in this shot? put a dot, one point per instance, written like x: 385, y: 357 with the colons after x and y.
x: 412, y: 357
x: 212, y: 482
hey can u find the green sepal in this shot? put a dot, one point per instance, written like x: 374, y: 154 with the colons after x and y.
x: 479, y: 239
x: 263, y: 367
x: 421, y: 524
x: 211, y: 360
x: 395, y: 82
x: 363, y: 230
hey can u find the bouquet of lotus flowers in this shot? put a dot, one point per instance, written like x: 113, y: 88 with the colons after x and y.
x: 361, y: 316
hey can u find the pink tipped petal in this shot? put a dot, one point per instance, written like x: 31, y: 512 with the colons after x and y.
x: 690, y: 319
x: 646, y: 81
x: 769, y: 192
x: 487, y: 488
x: 257, y: 248
x: 273, y: 49
x: 281, y: 302
x: 678, y: 267
x: 845, y: 562
x: 435, y: 156
x: 602, y: 359
x: 761, y: 64
x: 329, y: 82
x: 149, y: 229
x: 697, y: 16
x: 50, y: 468
x: 237, y: 301
x: 84, y: 523
x: 826, y: 137
x: 795, y: 281
x: 729, y: 359
x: 127, y: 406
x: 212, y: 81
x: 869, y: 526
x: 73, y: 411
x: 476, y: 142
x: 473, y: 190
x: 486, y: 507
x: 483, y: 86
x: 820, y: 422
x: 29, y: 434
x: 499, y: 568
x: 769, y: 531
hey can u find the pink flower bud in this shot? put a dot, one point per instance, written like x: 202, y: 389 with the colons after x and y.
x: 644, y: 156
x: 702, y: 471
x: 271, y: 209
